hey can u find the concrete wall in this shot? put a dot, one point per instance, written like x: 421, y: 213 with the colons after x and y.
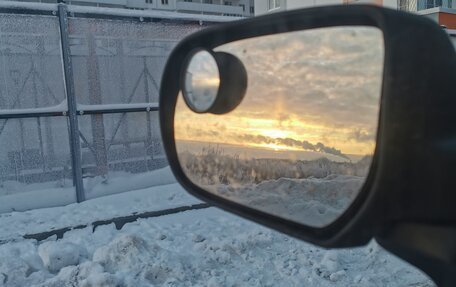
x: 261, y: 7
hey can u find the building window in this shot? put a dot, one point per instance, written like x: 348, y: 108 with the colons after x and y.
x: 252, y: 10
x: 273, y: 4
x: 404, y: 5
x: 228, y: 3
x: 165, y: 2
x: 149, y: 1
x: 437, y: 3
x: 207, y: 2
x: 243, y: 7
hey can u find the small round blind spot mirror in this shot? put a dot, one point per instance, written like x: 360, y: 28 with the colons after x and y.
x: 201, y: 81
x: 300, y: 143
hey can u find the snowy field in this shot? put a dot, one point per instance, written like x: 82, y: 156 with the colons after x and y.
x: 194, y: 248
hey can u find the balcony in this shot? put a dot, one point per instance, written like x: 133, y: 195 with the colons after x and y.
x: 209, y: 8
x: 418, y: 5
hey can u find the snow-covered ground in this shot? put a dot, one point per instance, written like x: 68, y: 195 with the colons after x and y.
x: 313, y: 192
x: 17, y: 224
x: 16, y: 196
x: 205, y: 247
x: 312, y: 201
x: 196, y: 248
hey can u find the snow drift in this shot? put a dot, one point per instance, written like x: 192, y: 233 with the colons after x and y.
x: 314, y: 192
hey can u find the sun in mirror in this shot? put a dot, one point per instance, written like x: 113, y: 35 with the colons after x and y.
x: 201, y: 81
x: 301, y: 143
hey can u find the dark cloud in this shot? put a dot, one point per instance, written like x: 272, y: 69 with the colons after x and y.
x: 362, y: 136
x: 219, y: 126
x: 305, y: 145
x: 255, y: 138
x: 282, y: 117
x: 200, y: 133
x: 322, y: 148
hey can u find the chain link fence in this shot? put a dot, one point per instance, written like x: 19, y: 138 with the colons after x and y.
x: 79, y: 103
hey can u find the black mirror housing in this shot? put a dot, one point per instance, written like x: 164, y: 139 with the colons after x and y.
x: 411, y: 176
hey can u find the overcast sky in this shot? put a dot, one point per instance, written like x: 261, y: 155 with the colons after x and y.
x: 314, y: 90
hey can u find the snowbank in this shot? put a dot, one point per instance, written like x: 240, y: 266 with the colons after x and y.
x: 196, y: 248
x: 212, y: 166
x: 314, y: 192
x: 205, y: 247
x: 313, y: 201
x: 56, y: 255
x: 117, y: 182
x: 40, y: 198
x: 16, y: 224
x: 16, y: 196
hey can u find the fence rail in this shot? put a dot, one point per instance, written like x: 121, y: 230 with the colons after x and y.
x: 79, y: 99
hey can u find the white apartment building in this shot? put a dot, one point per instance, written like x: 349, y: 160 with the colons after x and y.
x: 419, y: 5
x: 243, y: 8
x: 268, y: 6
x: 441, y: 11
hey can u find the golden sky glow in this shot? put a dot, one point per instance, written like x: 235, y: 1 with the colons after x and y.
x: 315, y: 90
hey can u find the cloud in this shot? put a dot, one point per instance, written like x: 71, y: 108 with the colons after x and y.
x: 322, y: 148
x: 362, y: 136
x: 332, y: 75
x: 321, y: 84
x: 305, y: 145
x: 195, y: 133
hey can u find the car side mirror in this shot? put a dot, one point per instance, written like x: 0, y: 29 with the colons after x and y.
x: 330, y: 124
x: 299, y: 141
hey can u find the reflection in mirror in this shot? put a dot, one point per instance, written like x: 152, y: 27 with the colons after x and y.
x: 201, y: 81
x: 300, y: 144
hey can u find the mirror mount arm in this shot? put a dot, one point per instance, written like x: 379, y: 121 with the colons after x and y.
x: 429, y: 247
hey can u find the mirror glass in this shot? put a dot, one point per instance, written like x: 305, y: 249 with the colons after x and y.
x: 300, y: 144
x: 201, y: 81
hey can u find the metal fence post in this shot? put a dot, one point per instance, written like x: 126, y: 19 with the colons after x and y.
x: 72, y: 108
